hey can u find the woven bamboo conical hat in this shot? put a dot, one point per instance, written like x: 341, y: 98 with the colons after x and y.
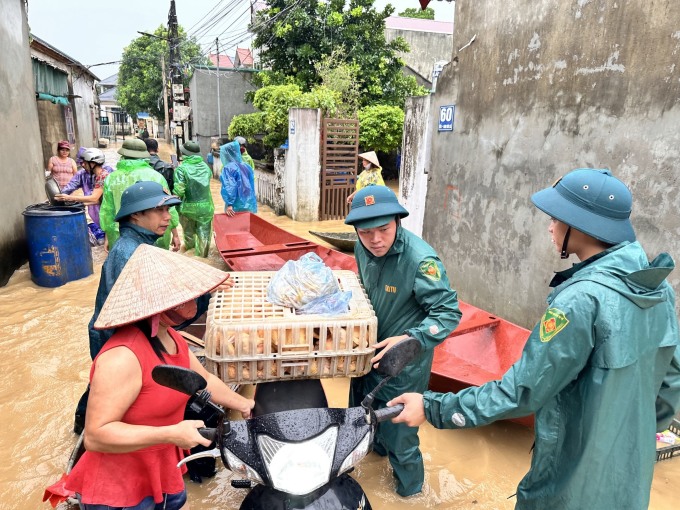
x: 371, y: 157
x: 155, y: 280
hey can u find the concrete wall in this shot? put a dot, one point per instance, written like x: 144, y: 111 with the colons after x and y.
x: 52, y: 129
x: 233, y: 87
x: 545, y: 88
x: 426, y: 49
x: 85, y: 109
x: 301, y: 178
x: 413, y: 174
x: 22, y: 168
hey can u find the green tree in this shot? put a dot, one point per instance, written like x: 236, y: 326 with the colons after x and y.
x: 381, y: 127
x: 414, y: 12
x: 140, y: 77
x: 295, y: 36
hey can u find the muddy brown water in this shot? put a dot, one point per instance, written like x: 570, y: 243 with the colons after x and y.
x: 45, y: 366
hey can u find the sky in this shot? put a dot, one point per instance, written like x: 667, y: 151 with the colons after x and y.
x: 96, y: 32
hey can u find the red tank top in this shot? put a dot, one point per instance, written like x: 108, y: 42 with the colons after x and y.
x: 124, y: 479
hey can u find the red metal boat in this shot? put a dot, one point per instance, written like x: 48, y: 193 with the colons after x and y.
x: 481, y: 349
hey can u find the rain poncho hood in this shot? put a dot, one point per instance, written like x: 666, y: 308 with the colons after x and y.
x: 601, y: 372
x: 238, y: 180
x: 192, y: 186
x: 129, y: 171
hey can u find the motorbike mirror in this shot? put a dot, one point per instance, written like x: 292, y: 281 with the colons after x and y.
x: 178, y: 378
x: 400, y: 355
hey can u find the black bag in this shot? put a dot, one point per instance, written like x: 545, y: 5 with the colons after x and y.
x: 205, y: 467
x: 165, y: 169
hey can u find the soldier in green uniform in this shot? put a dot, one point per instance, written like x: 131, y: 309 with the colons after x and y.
x: 412, y: 297
x: 601, y: 369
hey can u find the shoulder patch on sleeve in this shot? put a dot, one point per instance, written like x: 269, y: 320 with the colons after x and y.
x: 553, y: 321
x: 430, y: 269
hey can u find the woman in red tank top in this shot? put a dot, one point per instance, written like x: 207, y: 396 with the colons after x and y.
x: 135, y: 433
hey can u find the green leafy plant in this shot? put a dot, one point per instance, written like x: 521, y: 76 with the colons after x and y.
x: 381, y: 127
x: 414, y: 12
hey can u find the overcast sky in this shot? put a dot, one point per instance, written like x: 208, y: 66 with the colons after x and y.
x: 95, y: 32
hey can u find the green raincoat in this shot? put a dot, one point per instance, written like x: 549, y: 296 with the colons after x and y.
x: 128, y: 172
x: 192, y: 186
x: 602, y: 373
x: 411, y: 294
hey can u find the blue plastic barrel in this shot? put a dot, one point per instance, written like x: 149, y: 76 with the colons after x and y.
x: 58, y: 244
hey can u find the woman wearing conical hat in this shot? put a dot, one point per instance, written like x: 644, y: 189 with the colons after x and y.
x: 371, y: 174
x: 135, y: 431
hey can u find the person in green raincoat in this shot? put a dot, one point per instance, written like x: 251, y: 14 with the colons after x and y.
x: 131, y: 168
x: 192, y: 186
x: 244, y: 152
x: 412, y: 297
x: 601, y: 369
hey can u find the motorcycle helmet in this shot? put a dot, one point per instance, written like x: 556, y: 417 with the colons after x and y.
x: 592, y: 201
x: 93, y: 155
x: 374, y: 206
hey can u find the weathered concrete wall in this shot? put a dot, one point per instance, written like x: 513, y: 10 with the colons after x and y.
x: 22, y: 168
x: 301, y: 178
x: 415, y: 159
x: 84, y: 110
x: 426, y: 49
x: 545, y: 88
x: 203, y: 86
x: 52, y: 129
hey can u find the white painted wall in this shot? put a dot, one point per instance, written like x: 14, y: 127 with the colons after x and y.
x: 302, y: 189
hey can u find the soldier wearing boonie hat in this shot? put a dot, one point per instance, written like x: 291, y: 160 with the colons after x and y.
x: 602, y: 358
x: 411, y: 295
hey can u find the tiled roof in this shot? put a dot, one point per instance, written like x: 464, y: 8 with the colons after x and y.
x: 109, y: 95
x: 225, y: 61
x: 244, y: 56
x: 111, y: 80
x: 419, y: 25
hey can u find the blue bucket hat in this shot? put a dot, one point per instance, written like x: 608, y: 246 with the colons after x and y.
x: 374, y: 206
x: 144, y: 195
x: 592, y: 201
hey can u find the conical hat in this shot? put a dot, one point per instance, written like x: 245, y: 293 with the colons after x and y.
x: 371, y: 157
x: 155, y: 280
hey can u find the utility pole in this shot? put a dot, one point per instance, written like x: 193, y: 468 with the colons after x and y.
x: 219, y: 112
x: 165, y: 101
x: 175, y: 73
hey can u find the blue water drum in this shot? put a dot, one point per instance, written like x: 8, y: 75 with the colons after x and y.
x: 58, y: 244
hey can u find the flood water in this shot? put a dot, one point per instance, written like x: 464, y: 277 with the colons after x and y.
x: 45, y: 369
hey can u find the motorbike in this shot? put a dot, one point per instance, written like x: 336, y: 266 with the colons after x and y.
x: 294, y: 452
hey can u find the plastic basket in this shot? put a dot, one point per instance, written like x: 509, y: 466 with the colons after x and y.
x: 667, y: 452
x: 250, y: 340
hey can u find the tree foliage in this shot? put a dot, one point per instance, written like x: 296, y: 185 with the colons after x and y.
x: 295, y: 36
x: 381, y: 127
x: 140, y: 77
x: 414, y: 12
x: 274, y: 101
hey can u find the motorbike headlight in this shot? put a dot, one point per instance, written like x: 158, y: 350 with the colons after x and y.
x: 299, y: 468
x: 239, y: 467
x: 357, y: 454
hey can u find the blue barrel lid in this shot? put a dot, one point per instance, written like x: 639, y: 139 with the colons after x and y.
x: 52, y: 210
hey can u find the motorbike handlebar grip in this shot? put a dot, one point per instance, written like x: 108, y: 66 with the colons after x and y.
x: 208, y: 433
x: 387, y: 413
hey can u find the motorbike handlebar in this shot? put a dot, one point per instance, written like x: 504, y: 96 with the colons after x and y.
x: 208, y: 433
x: 387, y: 413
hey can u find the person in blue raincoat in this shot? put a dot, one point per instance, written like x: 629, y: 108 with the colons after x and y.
x: 238, y: 181
x: 601, y: 369
x: 412, y: 297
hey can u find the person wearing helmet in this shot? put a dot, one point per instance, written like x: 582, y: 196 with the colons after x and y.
x: 144, y: 216
x: 412, y: 297
x: 192, y: 186
x: 601, y: 369
x: 132, y: 167
x: 90, y: 178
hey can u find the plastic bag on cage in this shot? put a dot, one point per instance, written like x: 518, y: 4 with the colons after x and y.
x: 301, y: 281
x: 330, y: 304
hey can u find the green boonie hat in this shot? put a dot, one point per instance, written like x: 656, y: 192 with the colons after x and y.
x: 592, y: 201
x: 144, y: 195
x: 134, y: 148
x: 190, y: 148
x: 374, y: 206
